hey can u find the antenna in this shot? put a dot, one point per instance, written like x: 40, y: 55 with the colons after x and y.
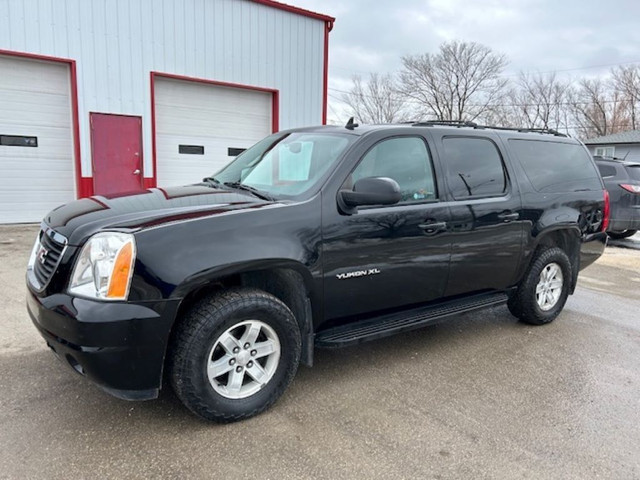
x: 351, y: 125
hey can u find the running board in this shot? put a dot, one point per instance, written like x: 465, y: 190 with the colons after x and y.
x: 390, y: 324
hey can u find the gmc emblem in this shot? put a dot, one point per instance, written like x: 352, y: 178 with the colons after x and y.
x: 42, y: 255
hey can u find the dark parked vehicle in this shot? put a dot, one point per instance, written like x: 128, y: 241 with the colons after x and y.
x: 622, y: 181
x: 324, y: 236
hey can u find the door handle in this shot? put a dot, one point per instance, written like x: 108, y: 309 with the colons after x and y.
x: 433, y: 227
x: 136, y: 171
x: 508, y: 217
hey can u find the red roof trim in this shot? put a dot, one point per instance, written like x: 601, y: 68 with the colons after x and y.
x: 297, y: 10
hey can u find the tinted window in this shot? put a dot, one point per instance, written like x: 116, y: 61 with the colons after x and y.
x: 404, y: 159
x: 556, y: 167
x: 634, y: 171
x: 474, y: 167
x: 607, y: 170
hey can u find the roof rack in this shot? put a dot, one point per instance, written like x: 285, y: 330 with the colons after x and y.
x: 466, y: 123
x: 450, y: 123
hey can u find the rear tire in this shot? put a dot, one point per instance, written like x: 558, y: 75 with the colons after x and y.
x: 622, y: 234
x: 234, y: 354
x: 544, y: 290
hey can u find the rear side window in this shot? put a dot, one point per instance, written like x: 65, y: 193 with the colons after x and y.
x: 556, y: 167
x: 634, y: 171
x: 474, y: 167
x: 607, y: 170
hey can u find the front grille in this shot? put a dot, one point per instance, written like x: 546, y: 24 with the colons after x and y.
x: 48, y: 256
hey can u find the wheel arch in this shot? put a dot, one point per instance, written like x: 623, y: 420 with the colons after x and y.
x: 290, y: 282
x: 567, y: 238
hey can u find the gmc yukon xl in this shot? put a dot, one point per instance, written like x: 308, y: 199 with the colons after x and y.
x: 314, y: 237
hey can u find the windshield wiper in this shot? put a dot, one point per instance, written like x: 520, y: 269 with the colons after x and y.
x: 248, y: 188
x: 212, y: 181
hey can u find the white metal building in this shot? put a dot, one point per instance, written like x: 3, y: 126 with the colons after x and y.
x: 105, y: 96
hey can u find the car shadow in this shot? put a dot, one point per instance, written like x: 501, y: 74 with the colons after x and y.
x: 631, y: 242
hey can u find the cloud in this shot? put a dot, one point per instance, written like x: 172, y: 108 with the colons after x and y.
x: 535, y: 35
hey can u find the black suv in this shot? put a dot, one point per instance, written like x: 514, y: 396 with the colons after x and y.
x: 622, y: 181
x: 314, y: 237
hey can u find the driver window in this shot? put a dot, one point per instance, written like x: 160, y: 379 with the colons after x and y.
x: 404, y: 159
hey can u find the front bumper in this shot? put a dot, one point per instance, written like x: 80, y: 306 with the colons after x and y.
x: 120, y: 346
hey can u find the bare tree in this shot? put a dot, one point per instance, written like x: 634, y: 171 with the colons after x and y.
x: 626, y: 81
x: 596, y: 109
x: 460, y: 82
x: 377, y: 100
x: 539, y: 101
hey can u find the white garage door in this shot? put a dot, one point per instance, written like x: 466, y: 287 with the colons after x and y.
x: 204, y: 121
x: 35, y: 110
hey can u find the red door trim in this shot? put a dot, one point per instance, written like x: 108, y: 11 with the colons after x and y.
x: 84, y: 185
x: 328, y: 26
x: 275, y: 110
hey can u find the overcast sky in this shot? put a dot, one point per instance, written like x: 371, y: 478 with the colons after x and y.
x: 568, y: 36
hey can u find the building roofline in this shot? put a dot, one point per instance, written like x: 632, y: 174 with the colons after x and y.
x: 592, y: 143
x: 297, y: 10
x: 628, y: 137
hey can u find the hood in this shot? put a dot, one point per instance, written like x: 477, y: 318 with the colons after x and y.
x: 79, y: 219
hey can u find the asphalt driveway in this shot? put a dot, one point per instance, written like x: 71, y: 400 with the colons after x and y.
x: 481, y: 396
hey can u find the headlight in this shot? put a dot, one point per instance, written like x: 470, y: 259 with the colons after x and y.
x: 104, y: 268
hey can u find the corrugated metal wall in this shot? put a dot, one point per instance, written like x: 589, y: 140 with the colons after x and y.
x: 116, y: 43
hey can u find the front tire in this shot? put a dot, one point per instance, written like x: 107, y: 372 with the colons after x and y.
x: 234, y: 354
x: 544, y: 290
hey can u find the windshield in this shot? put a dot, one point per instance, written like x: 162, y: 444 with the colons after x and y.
x: 285, y: 164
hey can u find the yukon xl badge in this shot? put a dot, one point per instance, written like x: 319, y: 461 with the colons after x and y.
x: 357, y: 273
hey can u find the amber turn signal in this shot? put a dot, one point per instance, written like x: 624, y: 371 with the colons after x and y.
x: 119, y: 282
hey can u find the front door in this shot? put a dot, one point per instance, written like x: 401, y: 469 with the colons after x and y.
x: 387, y: 256
x: 116, y: 145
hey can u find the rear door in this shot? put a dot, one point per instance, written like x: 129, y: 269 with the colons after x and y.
x: 390, y: 256
x: 486, y: 214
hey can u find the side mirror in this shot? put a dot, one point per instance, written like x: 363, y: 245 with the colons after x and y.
x: 369, y: 191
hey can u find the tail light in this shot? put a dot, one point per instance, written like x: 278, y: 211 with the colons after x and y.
x: 606, y: 213
x: 631, y: 188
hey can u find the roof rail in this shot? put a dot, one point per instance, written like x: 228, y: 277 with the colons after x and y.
x: 466, y: 123
x: 451, y: 123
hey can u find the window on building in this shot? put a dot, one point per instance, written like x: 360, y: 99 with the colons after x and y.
x: 605, y: 151
x: 404, y: 159
x: 474, y: 167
